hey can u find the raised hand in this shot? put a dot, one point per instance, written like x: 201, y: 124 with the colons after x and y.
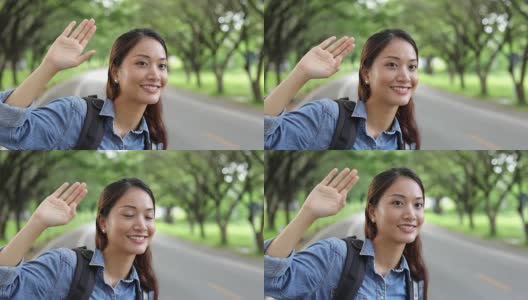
x: 323, y: 61
x: 60, y: 207
x: 329, y: 196
x: 67, y: 50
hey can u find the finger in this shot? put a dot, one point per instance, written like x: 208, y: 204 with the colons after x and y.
x: 341, y: 49
x: 68, y: 29
x: 61, y: 188
x: 74, y: 194
x: 89, y: 25
x: 86, y: 56
x: 69, y: 191
x: 84, y: 41
x: 339, y: 177
x: 350, y: 185
x: 80, y: 196
x: 327, y: 42
x: 329, y: 177
x: 78, y: 30
x: 348, y: 47
x: 337, y: 44
x: 346, y: 180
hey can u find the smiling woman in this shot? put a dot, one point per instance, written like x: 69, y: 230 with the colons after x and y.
x: 119, y: 268
x: 129, y: 118
x: 388, y: 263
x: 383, y: 116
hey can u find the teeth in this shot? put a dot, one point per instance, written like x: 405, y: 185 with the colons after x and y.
x: 136, y: 238
x: 400, y: 89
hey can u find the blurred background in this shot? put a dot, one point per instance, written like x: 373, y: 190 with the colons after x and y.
x: 209, y: 223
x: 214, y: 98
x: 473, y: 61
x: 475, y: 235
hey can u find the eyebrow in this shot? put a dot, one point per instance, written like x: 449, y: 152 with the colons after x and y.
x: 146, y: 56
x: 403, y: 196
x: 397, y: 58
x: 133, y: 207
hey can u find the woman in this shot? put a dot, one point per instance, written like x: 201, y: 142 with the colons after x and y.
x: 392, y: 248
x: 124, y: 230
x: 131, y: 116
x: 383, y: 116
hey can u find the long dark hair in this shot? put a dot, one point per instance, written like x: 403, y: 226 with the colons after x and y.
x: 412, y: 251
x: 120, y: 48
x: 374, y: 45
x: 109, y: 197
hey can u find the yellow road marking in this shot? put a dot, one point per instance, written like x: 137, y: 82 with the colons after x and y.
x: 222, y: 290
x: 485, y: 142
x: 223, y: 141
x: 495, y: 283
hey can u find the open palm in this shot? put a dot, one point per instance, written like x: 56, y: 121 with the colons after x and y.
x: 329, y: 196
x: 67, y: 50
x: 324, y: 60
x: 60, y: 207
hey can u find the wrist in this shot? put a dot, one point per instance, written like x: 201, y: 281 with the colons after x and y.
x: 300, y: 75
x: 36, y: 224
x: 48, y: 68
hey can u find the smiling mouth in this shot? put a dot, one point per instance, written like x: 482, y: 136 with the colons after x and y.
x: 137, y: 238
x: 407, y: 228
x: 152, y: 88
x: 401, y: 89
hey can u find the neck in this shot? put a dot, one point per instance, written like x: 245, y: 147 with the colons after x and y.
x: 379, y: 116
x: 127, y: 115
x: 387, y: 255
x: 117, y: 266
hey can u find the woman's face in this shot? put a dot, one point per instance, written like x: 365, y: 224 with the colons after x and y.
x: 399, y: 214
x: 143, y: 73
x: 130, y: 224
x: 393, y: 76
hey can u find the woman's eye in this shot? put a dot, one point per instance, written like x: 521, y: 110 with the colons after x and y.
x: 141, y: 63
x: 419, y: 205
x: 128, y: 216
x: 163, y: 66
x: 397, y: 203
x: 391, y: 65
x: 413, y: 67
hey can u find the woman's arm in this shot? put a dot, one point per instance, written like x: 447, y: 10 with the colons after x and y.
x: 326, y: 199
x: 57, y: 209
x: 321, y: 61
x: 66, y: 52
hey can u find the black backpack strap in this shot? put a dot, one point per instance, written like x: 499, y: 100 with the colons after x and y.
x: 93, y: 128
x: 353, y: 271
x: 345, y: 132
x: 84, y: 277
x: 412, y: 287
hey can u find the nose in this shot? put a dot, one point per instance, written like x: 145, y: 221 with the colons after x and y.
x: 410, y: 213
x: 403, y: 75
x: 140, y: 224
x: 154, y: 72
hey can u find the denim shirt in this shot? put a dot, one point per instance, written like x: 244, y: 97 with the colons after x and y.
x: 50, y: 276
x: 58, y: 125
x: 314, y: 273
x: 312, y: 127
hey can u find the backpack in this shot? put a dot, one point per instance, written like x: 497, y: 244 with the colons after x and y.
x: 354, y: 272
x: 346, y: 127
x: 83, y: 281
x: 93, y: 128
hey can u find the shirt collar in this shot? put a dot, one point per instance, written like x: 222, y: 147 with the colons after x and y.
x: 360, y: 111
x: 368, y: 250
x: 108, y: 111
x: 98, y: 261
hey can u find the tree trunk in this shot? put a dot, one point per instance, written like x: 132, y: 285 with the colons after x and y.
x: 493, y: 225
x: 519, y: 91
x: 471, y: 223
x: 223, y: 234
x: 483, y: 84
x: 168, y: 215
x: 202, y: 230
x: 219, y: 75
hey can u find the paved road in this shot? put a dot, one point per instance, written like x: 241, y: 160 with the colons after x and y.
x: 194, y: 122
x: 187, y: 271
x: 459, y: 267
x: 450, y: 122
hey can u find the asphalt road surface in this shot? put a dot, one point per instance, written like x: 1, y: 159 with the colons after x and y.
x: 460, y: 267
x: 450, y: 122
x: 194, y: 122
x: 187, y: 271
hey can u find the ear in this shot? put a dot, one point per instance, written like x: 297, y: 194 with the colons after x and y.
x: 372, y: 213
x: 102, y: 223
x: 366, y: 75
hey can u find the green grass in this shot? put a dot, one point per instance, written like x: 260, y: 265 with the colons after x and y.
x: 509, y: 226
x: 239, y: 236
x: 52, y: 232
x: 500, y: 87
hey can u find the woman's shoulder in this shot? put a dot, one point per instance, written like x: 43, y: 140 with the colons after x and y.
x: 325, y: 105
x: 62, y: 255
x: 334, y: 245
x: 68, y: 104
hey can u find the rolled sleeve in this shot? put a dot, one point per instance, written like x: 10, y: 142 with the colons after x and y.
x: 47, y: 277
x: 12, y: 116
x: 308, y: 128
x: 54, y: 126
x: 302, y: 273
